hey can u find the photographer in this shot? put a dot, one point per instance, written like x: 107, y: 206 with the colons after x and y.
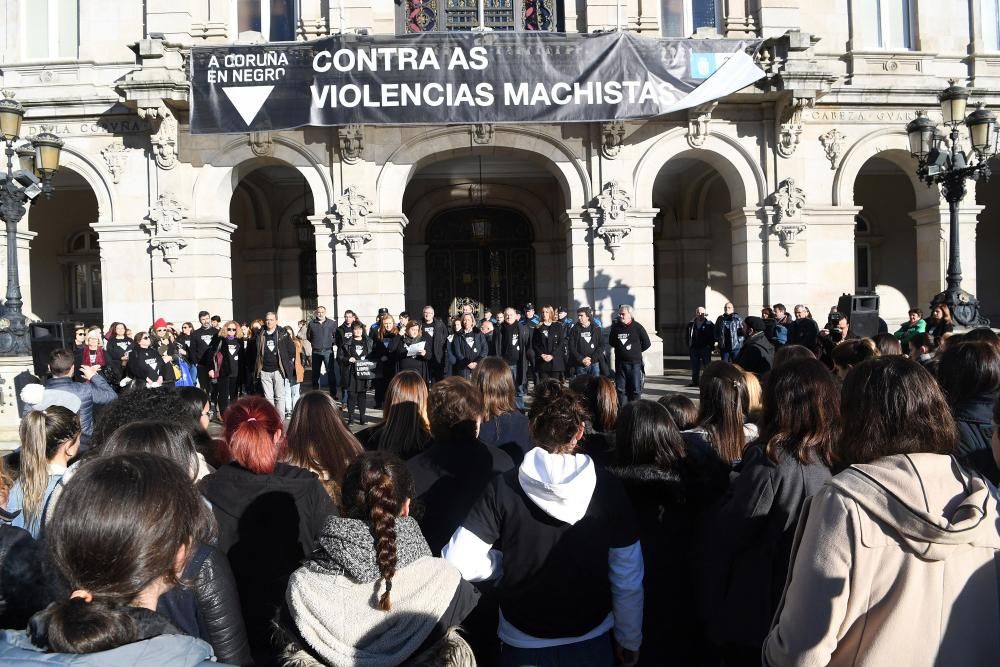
x: 835, y: 331
x: 757, y: 354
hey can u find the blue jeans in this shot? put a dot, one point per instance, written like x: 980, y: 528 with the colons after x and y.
x: 319, y: 360
x: 596, y: 652
x: 699, y: 359
x: 628, y: 382
x: 730, y: 356
x: 593, y: 369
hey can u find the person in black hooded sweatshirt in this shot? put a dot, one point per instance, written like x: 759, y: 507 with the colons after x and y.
x: 269, y: 515
x: 450, y: 475
x: 969, y: 374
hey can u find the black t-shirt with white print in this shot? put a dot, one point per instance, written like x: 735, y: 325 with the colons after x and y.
x: 555, y: 575
x: 269, y: 362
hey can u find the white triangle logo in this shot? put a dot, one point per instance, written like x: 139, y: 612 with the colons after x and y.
x: 248, y: 100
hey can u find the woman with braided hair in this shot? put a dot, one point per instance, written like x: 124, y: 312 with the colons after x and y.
x: 372, y: 593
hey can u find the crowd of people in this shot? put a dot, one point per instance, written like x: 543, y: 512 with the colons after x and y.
x: 838, y: 507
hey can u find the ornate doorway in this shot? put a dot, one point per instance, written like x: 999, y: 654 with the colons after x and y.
x: 480, y: 255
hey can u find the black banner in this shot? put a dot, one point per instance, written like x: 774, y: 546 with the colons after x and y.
x: 503, y: 77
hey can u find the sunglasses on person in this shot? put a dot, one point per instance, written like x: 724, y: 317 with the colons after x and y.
x: 160, y: 330
x: 230, y: 328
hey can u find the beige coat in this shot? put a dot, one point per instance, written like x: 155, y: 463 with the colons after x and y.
x: 894, y: 565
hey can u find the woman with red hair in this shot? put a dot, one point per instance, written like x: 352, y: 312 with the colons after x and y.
x: 269, y: 513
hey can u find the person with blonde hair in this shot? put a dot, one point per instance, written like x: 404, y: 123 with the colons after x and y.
x: 386, y: 351
x: 227, y: 359
x: 50, y: 437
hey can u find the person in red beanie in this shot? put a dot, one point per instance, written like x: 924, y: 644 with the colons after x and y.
x: 163, y: 341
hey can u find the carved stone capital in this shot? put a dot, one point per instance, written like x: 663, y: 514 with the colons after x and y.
x: 698, y: 120
x: 611, y: 206
x: 612, y: 138
x: 166, y: 227
x: 170, y: 249
x: 789, y: 198
x: 354, y: 241
x: 787, y: 234
x: 613, y: 236
x: 483, y: 133
x: 351, y: 143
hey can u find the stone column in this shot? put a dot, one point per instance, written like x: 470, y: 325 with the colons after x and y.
x: 627, y: 277
x: 325, y: 276
x: 749, y: 228
x: 579, y: 256
x: 127, y: 281
x: 932, y: 249
x: 829, y: 243
x: 201, y: 278
x: 368, y: 266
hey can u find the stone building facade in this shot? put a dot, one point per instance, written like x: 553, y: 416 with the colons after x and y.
x: 794, y: 190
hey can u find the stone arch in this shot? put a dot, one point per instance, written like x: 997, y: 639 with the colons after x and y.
x: 742, y: 174
x: 218, y: 179
x: 455, y: 141
x: 76, y: 160
x: 888, y: 143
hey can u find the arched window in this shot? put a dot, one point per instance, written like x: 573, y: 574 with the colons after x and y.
x: 459, y: 15
x: 83, y: 273
x: 49, y: 29
x: 273, y: 19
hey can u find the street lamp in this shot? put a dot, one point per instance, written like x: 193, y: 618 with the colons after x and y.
x: 37, y: 162
x: 942, y: 162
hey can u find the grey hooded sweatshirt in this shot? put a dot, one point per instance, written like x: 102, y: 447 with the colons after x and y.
x: 895, y: 563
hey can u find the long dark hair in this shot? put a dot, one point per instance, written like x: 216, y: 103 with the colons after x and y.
x: 492, y: 376
x: 801, y: 412
x: 167, y: 439
x: 375, y: 488
x: 317, y: 438
x: 725, y: 405
x: 968, y: 370
x: 600, y: 398
x: 647, y: 435
x: 121, y: 523
x: 892, y: 405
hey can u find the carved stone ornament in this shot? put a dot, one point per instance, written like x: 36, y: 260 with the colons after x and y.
x: 611, y: 205
x: 833, y: 144
x: 352, y: 208
x: 115, y: 155
x: 789, y: 199
x: 354, y: 241
x: 483, y: 133
x: 790, y: 129
x: 698, y: 119
x: 787, y: 234
x: 261, y: 143
x: 612, y: 138
x: 164, y: 139
x: 166, y: 219
x: 351, y: 140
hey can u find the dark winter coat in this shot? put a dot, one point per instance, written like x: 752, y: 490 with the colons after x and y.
x: 418, y: 364
x: 386, y: 354
x: 974, y: 449
x: 462, y: 354
x: 757, y: 354
x: 729, y: 333
x: 804, y: 331
x: 578, y: 347
x: 223, y: 361
x: 209, y: 608
x: 449, y: 477
x: 267, y: 525
x: 28, y: 583
x: 549, y: 339
x: 700, y: 335
x: 523, y: 351
x: 436, y: 335
x: 322, y: 335
x: 285, y: 352
x: 509, y: 432
x: 749, y: 544
x: 667, y: 521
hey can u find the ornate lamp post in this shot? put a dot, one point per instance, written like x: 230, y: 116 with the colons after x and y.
x: 37, y: 161
x: 943, y: 162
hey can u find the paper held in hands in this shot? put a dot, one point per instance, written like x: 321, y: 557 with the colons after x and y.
x: 415, y: 350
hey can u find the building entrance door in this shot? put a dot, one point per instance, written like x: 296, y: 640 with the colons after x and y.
x: 482, y: 256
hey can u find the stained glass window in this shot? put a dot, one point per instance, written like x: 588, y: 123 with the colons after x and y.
x: 463, y: 15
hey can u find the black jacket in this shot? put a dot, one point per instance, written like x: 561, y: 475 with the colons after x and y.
x: 509, y: 432
x: 449, y: 476
x: 804, y: 331
x: 666, y: 518
x: 436, y: 335
x: 757, y: 355
x: 582, y: 343
x: 974, y: 449
x: 201, y: 341
x: 322, y: 335
x: 700, y: 337
x: 146, y: 363
x: 267, y: 525
x: 629, y: 342
x: 28, y: 581
x: 462, y: 354
x: 210, y: 607
x: 522, y: 352
x: 549, y: 339
x: 386, y: 354
x: 285, y: 352
x: 420, y: 364
x: 224, y: 361
x: 749, y: 544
